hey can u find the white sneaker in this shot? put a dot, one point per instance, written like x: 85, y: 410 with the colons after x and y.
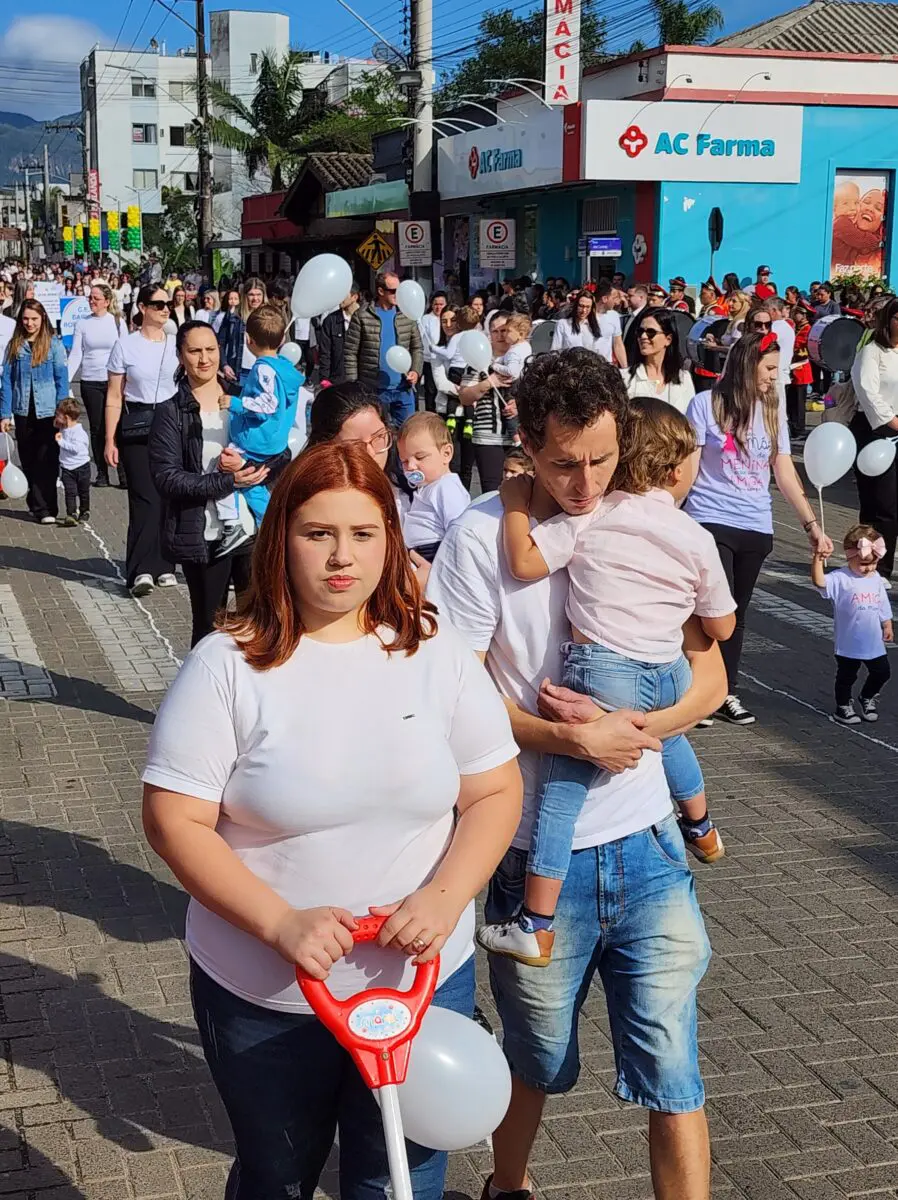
x: 143, y: 585
x: 510, y: 940
x: 48, y: 520
x: 167, y: 580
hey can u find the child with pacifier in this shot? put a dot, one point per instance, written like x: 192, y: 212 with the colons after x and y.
x: 261, y: 419
x: 862, y: 621
x: 639, y: 567
x: 425, y: 451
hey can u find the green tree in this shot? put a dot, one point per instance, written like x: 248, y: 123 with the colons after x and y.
x: 351, y: 124
x: 511, y: 47
x: 173, y: 232
x: 269, y: 131
x: 682, y: 25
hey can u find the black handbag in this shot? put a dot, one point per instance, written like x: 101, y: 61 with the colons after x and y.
x: 135, y: 423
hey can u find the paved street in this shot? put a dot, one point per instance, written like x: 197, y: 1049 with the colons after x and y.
x: 104, y: 1093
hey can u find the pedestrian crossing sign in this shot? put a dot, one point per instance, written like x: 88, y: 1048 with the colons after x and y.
x: 375, y: 250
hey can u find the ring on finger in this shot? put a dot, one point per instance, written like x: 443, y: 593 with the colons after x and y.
x: 418, y: 944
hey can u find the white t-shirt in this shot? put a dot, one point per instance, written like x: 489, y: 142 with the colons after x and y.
x: 7, y: 329
x: 433, y: 509
x: 522, y: 627
x: 609, y: 324
x: 514, y: 360
x: 74, y: 447
x: 149, y: 368
x: 92, y: 344
x: 785, y: 335
x: 336, y: 775
x: 676, y: 394
x: 124, y: 294
x: 566, y: 337
x: 215, y: 439
x: 860, y: 605
x: 639, y: 568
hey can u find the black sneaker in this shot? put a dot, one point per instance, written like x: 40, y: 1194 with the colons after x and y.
x: 734, y: 711
x: 84, y: 517
x: 868, y: 709
x: 234, y: 536
x: 101, y: 481
x: 845, y: 715
x: 67, y: 522
x: 520, y: 1194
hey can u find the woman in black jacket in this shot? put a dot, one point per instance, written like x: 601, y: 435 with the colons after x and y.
x: 231, y: 333
x: 189, y: 432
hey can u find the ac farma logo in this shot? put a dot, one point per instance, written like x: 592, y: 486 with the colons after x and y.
x: 633, y: 141
x: 474, y: 162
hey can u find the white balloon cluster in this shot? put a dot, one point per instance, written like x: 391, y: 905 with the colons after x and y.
x: 12, y: 479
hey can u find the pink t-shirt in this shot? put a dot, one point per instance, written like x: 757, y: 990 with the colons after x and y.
x: 639, y: 567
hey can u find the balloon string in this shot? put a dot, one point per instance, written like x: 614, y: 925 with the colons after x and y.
x: 822, y: 515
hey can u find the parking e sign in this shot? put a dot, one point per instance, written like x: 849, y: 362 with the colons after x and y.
x: 497, y: 243
x: 414, y: 244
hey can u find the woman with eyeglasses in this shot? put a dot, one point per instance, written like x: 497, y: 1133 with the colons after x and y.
x: 743, y: 436
x: 660, y: 370
x: 181, y: 310
x: 581, y: 328
x: 141, y: 369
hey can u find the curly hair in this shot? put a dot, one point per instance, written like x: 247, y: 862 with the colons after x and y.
x: 659, y: 439
x: 575, y: 387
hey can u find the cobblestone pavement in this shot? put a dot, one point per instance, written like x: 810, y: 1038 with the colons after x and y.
x: 103, y: 1091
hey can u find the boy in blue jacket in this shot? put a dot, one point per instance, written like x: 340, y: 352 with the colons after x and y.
x: 261, y: 418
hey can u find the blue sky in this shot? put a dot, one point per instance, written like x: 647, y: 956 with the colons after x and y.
x: 42, y: 41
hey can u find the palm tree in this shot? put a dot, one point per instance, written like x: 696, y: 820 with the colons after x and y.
x: 680, y: 24
x: 268, y: 131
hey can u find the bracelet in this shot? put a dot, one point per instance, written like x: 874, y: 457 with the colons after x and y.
x: 809, y: 524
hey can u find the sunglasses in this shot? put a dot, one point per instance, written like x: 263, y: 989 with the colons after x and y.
x: 159, y: 305
x: 649, y: 334
x: 389, y: 291
x: 758, y: 325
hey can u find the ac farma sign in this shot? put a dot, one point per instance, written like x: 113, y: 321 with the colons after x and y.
x: 562, y: 63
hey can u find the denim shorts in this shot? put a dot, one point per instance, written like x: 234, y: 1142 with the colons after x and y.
x: 287, y: 1086
x: 628, y: 911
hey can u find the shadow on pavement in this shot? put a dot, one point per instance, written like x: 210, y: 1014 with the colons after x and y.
x: 85, y: 695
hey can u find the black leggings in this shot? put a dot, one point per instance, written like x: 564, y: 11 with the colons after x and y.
x: 39, y: 455
x: 742, y: 553
x: 878, y: 674
x: 207, y: 586
x: 143, y: 555
x: 878, y: 494
x: 93, y: 393
x: 490, y: 462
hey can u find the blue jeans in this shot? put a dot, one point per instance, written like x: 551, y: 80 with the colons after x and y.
x: 615, y: 682
x: 287, y: 1085
x: 401, y: 403
x: 627, y: 910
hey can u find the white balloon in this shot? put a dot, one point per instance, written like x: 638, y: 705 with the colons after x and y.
x: 292, y: 351
x: 322, y: 283
x: 170, y: 329
x: 475, y: 349
x: 411, y: 300
x: 458, y: 1084
x: 296, y: 439
x: 13, y: 482
x: 877, y: 457
x: 399, y: 359
x: 828, y: 453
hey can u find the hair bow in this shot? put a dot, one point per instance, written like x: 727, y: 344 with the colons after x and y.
x: 865, y: 547
x: 768, y: 342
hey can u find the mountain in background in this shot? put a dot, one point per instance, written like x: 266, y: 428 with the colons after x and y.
x: 22, y: 140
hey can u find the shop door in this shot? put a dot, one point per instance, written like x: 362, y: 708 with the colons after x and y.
x: 599, y: 220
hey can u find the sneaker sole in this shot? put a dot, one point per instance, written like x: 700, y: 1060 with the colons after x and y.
x: 736, y: 720
x: 870, y: 719
x: 143, y: 590
x: 543, y: 961
x: 847, y: 720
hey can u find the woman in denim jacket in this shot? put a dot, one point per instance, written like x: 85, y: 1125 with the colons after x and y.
x: 35, y: 379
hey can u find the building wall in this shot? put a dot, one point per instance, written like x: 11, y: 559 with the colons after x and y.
x: 788, y: 226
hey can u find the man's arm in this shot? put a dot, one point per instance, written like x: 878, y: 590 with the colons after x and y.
x: 708, y: 690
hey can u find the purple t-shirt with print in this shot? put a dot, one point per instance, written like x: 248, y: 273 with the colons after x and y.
x: 733, y: 486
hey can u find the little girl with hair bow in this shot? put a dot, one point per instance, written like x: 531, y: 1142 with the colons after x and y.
x: 862, y: 621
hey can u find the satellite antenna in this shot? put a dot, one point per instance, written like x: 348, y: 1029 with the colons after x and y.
x: 383, y: 53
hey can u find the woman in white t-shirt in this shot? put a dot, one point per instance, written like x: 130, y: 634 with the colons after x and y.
x: 331, y: 753
x: 659, y: 371
x: 91, y: 346
x: 189, y: 435
x: 581, y: 328
x: 141, y: 371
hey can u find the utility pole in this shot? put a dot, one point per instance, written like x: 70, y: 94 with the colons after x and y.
x: 48, y: 242
x: 25, y: 171
x: 204, y: 224
x: 422, y: 103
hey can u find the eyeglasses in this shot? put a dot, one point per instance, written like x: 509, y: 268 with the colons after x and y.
x: 377, y: 444
x: 159, y: 305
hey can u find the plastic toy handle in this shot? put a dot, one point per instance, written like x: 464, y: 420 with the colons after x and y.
x: 368, y: 929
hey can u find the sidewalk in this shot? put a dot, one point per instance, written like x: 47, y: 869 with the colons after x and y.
x: 105, y: 1094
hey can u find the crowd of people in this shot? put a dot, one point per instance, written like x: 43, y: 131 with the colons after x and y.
x: 603, y: 583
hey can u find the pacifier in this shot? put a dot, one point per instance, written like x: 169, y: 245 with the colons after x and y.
x: 414, y: 478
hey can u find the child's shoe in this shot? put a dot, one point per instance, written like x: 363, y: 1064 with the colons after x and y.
x: 845, y: 715
x: 703, y: 840
x: 511, y: 939
x: 868, y: 709
x: 67, y: 522
x: 234, y: 535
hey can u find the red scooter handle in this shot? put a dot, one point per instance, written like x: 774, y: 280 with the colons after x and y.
x: 375, y: 1026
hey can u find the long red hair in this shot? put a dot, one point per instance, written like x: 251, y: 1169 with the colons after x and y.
x: 267, y: 626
